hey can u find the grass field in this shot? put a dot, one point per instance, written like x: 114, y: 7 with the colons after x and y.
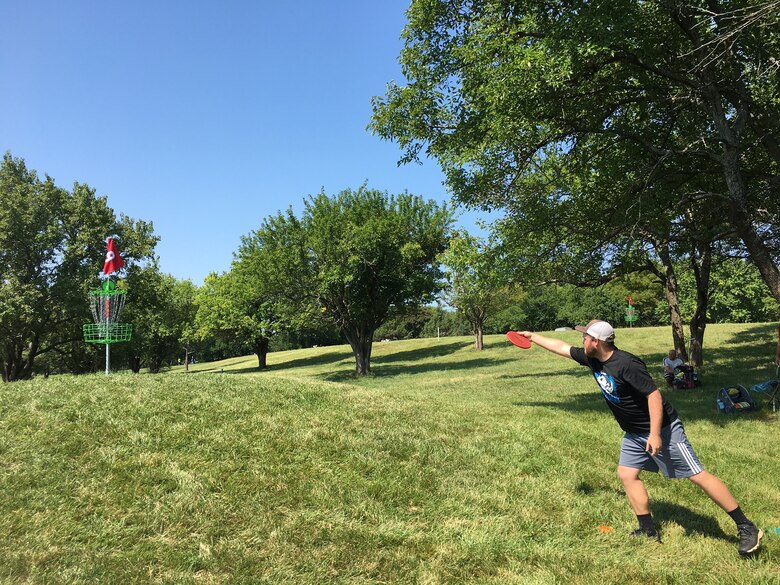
x: 447, y: 465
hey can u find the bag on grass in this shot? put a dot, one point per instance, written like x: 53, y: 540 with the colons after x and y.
x: 685, y: 377
x: 735, y: 399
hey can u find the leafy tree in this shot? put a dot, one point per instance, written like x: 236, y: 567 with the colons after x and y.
x: 497, y: 88
x: 408, y: 325
x: 477, y: 284
x: 441, y: 322
x: 738, y: 294
x: 357, y: 259
x: 161, y: 309
x: 372, y: 255
x: 230, y: 308
x: 52, y: 244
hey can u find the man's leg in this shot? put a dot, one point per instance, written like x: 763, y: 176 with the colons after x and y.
x: 635, y: 490
x: 716, y: 490
x: 639, y: 501
x: 749, y: 534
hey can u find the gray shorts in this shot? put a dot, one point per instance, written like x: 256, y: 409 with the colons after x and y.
x: 676, y: 460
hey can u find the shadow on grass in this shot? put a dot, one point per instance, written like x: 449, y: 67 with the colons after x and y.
x: 696, y: 404
x: 691, y: 522
x: 331, y: 357
x: 433, y: 351
x: 742, y: 359
x: 389, y: 370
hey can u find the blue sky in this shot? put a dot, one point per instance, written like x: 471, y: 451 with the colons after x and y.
x: 204, y: 117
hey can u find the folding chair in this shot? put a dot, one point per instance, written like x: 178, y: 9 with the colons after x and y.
x: 770, y: 388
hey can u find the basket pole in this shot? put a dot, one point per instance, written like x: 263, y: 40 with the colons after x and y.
x: 108, y: 345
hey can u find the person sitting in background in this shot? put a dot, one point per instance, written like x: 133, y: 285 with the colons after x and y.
x: 671, y: 363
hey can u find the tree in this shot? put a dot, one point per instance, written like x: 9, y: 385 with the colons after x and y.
x: 496, y: 88
x: 161, y: 309
x: 52, y: 245
x: 355, y: 259
x: 232, y: 308
x: 477, y: 284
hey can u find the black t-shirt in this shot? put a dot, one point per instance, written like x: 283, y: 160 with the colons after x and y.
x: 625, y: 384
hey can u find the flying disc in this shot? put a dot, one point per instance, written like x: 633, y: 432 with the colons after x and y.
x: 520, y: 341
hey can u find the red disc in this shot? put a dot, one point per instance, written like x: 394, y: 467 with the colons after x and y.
x: 520, y: 341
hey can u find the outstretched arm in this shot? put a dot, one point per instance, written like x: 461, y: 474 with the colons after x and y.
x: 549, y: 343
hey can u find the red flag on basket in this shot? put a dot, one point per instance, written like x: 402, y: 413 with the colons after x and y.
x: 113, y: 260
x: 630, y: 302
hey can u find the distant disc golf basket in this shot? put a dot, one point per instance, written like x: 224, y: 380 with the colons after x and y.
x: 106, y: 304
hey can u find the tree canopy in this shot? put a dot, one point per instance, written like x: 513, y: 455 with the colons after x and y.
x: 477, y: 282
x: 52, y: 247
x: 525, y: 103
x: 356, y: 259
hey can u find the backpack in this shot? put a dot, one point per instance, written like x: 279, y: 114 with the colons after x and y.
x: 685, y: 377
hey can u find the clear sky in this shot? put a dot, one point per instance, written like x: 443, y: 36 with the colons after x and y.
x: 204, y: 117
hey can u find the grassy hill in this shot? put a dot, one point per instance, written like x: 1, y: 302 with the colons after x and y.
x: 447, y: 465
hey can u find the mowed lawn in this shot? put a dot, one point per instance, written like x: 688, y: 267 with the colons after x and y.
x: 446, y: 465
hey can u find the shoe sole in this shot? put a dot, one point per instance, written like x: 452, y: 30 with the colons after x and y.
x: 756, y: 547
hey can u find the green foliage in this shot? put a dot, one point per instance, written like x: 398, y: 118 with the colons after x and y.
x: 372, y: 253
x: 161, y: 309
x: 356, y: 259
x: 230, y: 307
x: 738, y: 295
x: 605, y: 130
x: 52, y: 246
x: 548, y: 307
x: 478, y: 285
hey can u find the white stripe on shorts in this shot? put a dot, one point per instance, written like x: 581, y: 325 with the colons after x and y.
x: 694, y: 467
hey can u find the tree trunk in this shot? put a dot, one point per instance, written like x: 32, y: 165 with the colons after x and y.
x: 479, y: 330
x: 155, y: 364
x: 260, y: 349
x: 701, y: 262
x: 361, y: 342
x: 739, y: 218
x: 15, y: 365
x: 729, y: 129
x: 671, y: 289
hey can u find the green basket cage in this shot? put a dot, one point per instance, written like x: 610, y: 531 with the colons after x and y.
x: 107, y: 332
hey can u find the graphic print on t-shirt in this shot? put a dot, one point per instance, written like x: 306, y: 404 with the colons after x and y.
x: 607, y: 385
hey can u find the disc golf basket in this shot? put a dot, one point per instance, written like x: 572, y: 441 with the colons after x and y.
x: 106, y: 304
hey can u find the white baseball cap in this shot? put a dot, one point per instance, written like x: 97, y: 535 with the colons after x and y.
x: 597, y: 329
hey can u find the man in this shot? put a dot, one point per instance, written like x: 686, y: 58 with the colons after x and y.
x: 671, y: 363
x: 654, y: 435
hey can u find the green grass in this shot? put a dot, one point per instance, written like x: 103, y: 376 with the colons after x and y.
x: 447, y: 465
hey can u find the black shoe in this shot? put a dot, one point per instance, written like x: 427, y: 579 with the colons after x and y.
x: 650, y: 533
x: 749, y: 538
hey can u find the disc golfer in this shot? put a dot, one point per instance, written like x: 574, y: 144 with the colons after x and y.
x: 654, y: 435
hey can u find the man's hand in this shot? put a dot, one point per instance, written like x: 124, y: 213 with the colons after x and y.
x: 654, y: 444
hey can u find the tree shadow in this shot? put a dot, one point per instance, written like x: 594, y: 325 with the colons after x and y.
x: 320, y: 359
x: 692, y: 405
x: 581, y: 374
x: 388, y: 370
x: 433, y: 351
x: 756, y: 333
